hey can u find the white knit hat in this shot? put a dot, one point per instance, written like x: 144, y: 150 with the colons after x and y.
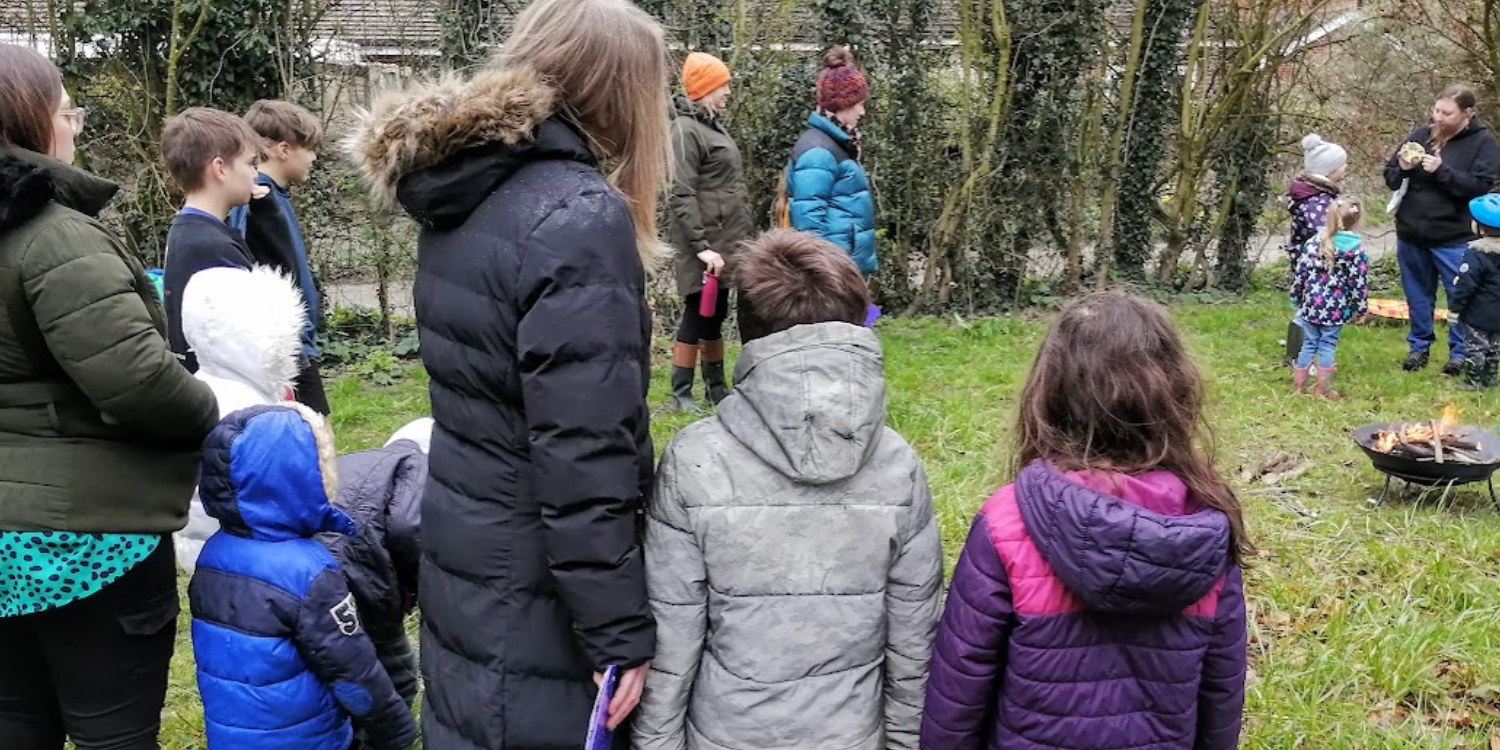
x: 1320, y: 157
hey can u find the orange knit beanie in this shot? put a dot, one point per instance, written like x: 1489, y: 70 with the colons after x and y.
x: 702, y: 73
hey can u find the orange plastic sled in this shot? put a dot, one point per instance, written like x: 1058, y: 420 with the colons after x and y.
x: 1395, y: 309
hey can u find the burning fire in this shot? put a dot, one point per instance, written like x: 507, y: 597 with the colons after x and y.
x: 1422, y: 432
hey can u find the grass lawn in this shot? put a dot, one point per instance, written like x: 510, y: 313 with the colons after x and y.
x: 1371, y: 627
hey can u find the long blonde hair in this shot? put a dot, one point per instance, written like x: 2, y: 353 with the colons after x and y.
x: 1343, y: 216
x: 608, y: 61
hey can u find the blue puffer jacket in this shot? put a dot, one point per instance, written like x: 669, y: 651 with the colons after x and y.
x: 828, y: 192
x: 283, y: 661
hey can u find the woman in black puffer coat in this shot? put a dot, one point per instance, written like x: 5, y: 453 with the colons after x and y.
x: 530, y: 300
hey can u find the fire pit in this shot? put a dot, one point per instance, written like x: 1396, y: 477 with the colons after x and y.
x: 1438, y: 453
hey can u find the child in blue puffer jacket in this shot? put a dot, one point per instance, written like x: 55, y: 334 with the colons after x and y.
x: 283, y: 661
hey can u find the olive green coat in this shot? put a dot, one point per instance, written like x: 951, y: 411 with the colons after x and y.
x: 707, y: 202
x: 99, y: 424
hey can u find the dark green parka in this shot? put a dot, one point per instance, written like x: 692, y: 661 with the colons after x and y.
x: 99, y: 424
x: 707, y: 202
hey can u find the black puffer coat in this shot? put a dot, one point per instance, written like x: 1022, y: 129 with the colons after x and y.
x: 1435, y: 211
x: 381, y: 491
x: 530, y: 300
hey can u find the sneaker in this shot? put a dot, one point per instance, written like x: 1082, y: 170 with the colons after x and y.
x: 1414, y: 361
x: 1454, y: 367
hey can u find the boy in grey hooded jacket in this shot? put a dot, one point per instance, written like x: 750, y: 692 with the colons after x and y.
x: 792, y: 558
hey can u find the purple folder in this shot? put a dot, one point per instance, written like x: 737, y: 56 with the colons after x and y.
x: 600, y: 737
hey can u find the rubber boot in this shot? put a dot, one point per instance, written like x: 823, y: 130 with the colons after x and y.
x: 1299, y: 379
x: 684, y: 363
x: 1324, y: 387
x: 716, y: 389
x: 1480, y: 378
x: 1469, y: 378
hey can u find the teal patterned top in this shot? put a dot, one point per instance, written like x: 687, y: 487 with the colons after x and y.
x: 42, y: 570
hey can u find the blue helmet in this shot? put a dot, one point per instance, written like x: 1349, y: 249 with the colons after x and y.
x: 1486, y: 210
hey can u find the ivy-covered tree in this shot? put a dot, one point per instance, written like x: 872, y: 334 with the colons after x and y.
x: 1161, y: 28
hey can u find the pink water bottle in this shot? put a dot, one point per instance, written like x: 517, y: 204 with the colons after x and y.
x: 708, y: 303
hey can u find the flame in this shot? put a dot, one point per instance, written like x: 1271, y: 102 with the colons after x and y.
x: 1422, y: 432
x: 1450, y: 417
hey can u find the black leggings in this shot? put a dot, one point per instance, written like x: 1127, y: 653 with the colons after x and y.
x: 695, y: 327
x: 94, y: 670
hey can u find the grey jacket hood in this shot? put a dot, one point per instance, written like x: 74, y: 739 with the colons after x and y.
x: 809, y: 401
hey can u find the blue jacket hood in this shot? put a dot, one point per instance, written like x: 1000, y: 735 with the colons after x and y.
x: 268, y: 474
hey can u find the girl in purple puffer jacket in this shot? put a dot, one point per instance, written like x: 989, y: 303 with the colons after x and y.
x: 1098, y: 603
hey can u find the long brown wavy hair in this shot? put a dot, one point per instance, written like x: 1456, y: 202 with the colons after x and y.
x: 1113, y: 389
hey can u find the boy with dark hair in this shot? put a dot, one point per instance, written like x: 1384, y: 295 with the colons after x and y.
x: 212, y: 156
x: 794, y: 281
x: 292, y: 136
x: 812, y: 519
x: 1476, y: 296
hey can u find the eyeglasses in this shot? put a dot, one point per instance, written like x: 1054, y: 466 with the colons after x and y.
x: 74, y: 117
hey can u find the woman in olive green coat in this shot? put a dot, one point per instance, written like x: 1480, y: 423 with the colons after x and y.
x: 709, y: 219
x: 99, y: 434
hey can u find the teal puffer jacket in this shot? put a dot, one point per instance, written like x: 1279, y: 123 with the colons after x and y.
x: 829, y: 193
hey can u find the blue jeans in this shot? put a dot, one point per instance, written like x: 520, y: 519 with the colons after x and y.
x: 1318, y: 340
x: 1421, y: 270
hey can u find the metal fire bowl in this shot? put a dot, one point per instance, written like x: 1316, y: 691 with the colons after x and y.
x: 1432, y: 472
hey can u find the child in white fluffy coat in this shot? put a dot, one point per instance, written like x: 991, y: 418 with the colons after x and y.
x: 245, y: 328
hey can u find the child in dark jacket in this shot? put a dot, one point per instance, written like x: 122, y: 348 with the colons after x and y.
x: 1329, y: 288
x: 1476, y: 296
x: 1098, y: 601
x: 212, y: 156
x: 273, y: 234
x: 381, y: 490
x: 283, y: 660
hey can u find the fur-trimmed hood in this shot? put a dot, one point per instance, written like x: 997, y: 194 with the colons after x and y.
x: 1489, y: 245
x: 245, y: 328
x: 439, y: 149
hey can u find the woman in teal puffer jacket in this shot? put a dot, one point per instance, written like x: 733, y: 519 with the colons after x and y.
x: 828, y: 192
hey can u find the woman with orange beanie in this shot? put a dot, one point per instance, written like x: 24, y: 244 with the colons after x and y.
x: 709, y: 218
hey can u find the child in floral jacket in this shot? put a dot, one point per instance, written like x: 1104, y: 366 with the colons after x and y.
x: 1330, y: 289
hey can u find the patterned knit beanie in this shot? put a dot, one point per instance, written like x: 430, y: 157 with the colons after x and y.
x: 840, y: 85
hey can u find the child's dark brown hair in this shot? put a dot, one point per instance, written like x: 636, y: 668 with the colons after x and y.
x: 1113, y: 388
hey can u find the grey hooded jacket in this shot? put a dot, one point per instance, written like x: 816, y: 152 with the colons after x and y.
x: 793, y: 561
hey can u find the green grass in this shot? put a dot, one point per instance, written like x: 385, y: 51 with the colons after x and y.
x: 1371, y: 628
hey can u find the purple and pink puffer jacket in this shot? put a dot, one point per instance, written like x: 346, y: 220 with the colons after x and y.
x: 1091, y: 611
x: 1307, y: 202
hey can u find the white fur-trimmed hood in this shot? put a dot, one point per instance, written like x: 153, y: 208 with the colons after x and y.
x: 245, y: 327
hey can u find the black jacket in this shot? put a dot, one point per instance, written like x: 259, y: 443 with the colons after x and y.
x: 1476, y: 293
x: 530, y: 301
x: 1435, y: 211
x: 195, y: 243
x: 381, y: 490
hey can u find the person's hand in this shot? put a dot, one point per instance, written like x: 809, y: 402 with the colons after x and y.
x: 260, y: 191
x: 628, y: 691
x: 713, y: 260
x: 1431, y: 162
